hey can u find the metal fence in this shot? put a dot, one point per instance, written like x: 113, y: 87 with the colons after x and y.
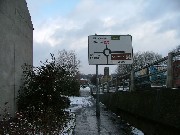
x: 152, y: 75
x: 162, y: 73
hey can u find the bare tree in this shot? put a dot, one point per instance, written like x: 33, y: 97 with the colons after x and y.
x: 122, y: 69
x: 140, y: 60
x: 177, y: 49
x: 68, y: 60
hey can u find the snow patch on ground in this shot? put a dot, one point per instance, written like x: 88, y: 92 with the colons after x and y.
x: 86, y: 88
x: 79, y: 102
x: 76, y: 103
x: 68, y: 130
x: 136, y: 131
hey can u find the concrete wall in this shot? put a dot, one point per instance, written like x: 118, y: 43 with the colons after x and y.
x: 161, y: 106
x: 16, y: 48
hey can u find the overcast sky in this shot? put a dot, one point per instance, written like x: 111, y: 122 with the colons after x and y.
x: 66, y: 24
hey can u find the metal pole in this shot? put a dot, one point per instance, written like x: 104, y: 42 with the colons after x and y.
x: 14, y: 79
x: 97, y: 94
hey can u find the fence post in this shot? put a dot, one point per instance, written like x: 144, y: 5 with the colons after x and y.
x: 91, y: 90
x: 169, y: 80
x: 116, y: 84
x: 132, y: 81
x: 107, y: 86
x: 103, y: 87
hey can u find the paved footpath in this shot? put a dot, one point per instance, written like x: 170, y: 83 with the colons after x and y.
x: 88, y: 124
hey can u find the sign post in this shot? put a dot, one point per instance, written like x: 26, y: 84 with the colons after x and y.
x: 97, y: 94
x: 108, y: 50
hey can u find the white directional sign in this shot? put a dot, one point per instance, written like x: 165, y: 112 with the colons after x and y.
x: 110, y: 49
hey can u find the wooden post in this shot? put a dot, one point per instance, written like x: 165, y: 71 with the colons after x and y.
x: 116, y: 84
x: 132, y: 81
x: 103, y: 87
x: 107, y: 86
x: 169, y: 80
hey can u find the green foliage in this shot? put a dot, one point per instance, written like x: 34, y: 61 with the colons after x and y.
x: 44, y: 92
x: 40, y: 85
x: 68, y: 60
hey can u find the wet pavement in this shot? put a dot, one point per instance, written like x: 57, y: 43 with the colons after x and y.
x: 88, y: 124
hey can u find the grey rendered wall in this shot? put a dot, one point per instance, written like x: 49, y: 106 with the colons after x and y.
x: 16, y: 48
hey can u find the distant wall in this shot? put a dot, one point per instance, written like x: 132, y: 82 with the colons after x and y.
x: 162, y: 106
x: 16, y: 48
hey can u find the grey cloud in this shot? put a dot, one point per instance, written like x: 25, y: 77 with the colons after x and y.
x: 156, y: 9
x: 165, y: 12
x: 89, y: 27
x: 41, y: 52
x: 170, y: 24
x: 89, y: 22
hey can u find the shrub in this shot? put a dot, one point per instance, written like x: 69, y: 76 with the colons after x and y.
x: 43, y: 97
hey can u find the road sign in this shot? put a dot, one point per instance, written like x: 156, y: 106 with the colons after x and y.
x: 110, y: 49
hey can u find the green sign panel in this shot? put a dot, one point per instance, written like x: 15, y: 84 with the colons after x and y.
x: 115, y: 37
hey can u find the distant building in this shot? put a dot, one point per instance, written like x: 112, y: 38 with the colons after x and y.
x: 16, y: 48
x: 83, y: 81
x: 106, y: 71
x: 105, y: 79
